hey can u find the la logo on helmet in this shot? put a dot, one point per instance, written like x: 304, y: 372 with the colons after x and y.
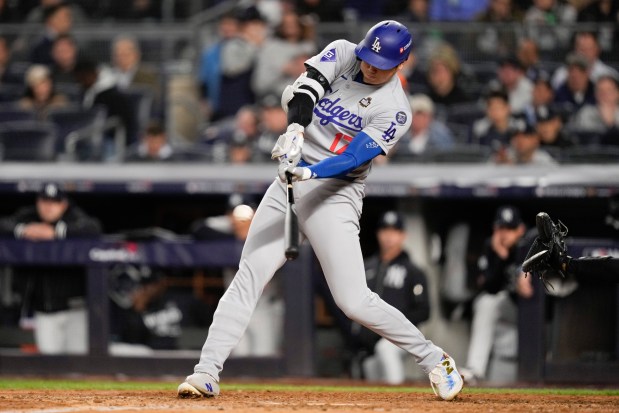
x: 376, y: 45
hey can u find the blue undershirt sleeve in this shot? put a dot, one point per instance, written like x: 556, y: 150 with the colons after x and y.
x: 360, y: 150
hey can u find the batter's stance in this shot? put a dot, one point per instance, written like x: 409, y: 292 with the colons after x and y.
x: 348, y: 108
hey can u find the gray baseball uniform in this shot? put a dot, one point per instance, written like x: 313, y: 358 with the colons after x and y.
x: 329, y: 211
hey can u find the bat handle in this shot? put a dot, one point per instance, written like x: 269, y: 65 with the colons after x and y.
x: 289, y: 178
x: 289, y: 186
x: 291, y: 225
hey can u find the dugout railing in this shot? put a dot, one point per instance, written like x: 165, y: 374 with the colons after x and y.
x: 296, y: 358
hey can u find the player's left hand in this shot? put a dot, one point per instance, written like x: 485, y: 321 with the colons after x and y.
x: 289, y: 145
x: 299, y: 173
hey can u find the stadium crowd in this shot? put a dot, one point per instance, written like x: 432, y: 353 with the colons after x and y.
x: 542, y: 87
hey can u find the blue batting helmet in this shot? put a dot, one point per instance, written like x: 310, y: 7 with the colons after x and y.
x: 386, y: 45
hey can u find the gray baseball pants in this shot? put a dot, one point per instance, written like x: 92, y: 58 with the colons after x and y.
x: 329, y: 212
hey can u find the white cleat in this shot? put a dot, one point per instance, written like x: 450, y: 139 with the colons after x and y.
x: 198, y: 385
x: 445, y: 379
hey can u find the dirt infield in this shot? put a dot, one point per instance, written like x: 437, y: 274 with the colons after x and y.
x: 297, y: 401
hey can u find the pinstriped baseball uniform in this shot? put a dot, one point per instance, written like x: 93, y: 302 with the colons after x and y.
x: 328, y: 211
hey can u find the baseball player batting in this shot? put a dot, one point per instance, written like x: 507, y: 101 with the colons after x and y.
x: 346, y: 109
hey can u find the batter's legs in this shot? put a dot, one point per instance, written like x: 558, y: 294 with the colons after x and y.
x: 263, y: 255
x: 332, y: 228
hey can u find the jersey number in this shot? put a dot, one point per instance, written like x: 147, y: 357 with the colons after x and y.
x: 340, y: 143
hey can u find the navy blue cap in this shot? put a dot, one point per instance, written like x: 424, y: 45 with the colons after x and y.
x: 519, y: 125
x: 507, y: 216
x: 391, y: 219
x: 544, y: 113
x: 52, y: 191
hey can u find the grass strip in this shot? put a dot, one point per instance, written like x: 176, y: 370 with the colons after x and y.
x: 120, y: 385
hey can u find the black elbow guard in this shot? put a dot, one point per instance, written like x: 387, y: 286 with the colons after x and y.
x: 300, y: 109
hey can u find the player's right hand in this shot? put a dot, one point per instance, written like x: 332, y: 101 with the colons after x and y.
x: 282, y: 168
x: 299, y: 173
x: 289, y: 145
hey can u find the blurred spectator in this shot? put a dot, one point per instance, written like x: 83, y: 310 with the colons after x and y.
x: 543, y: 95
x: 238, y: 59
x: 586, y: 45
x: 528, y: 56
x: 135, y: 10
x: 456, y: 10
x: 493, y: 129
x: 577, y: 90
x: 153, y: 147
x: 599, y: 11
x: 37, y: 14
x: 443, y: 77
x: 282, y: 57
x: 500, y: 283
x: 273, y: 122
x: 64, y: 56
x: 524, y: 147
x: 264, y: 333
x: 550, y: 130
x: 494, y: 38
x: 240, y: 150
x: 324, y: 10
x: 363, y: 10
x: 544, y: 20
x: 7, y: 73
x: 8, y: 14
x: 40, y: 92
x: 127, y: 66
x: 272, y: 10
x: 426, y: 133
x: 500, y: 11
x: 210, y: 70
x: 58, y: 20
x: 417, y: 11
x: 234, y: 137
x: 519, y: 88
x: 129, y: 71
x: 392, y: 275
x: 605, y: 12
x: 603, y: 117
x: 100, y: 89
x: 56, y: 295
x: 415, y: 80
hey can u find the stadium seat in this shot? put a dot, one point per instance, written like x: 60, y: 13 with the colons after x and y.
x: 465, y: 113
x: 484, y: 72
x: 79, y: 130
x: 11, y: 92
x: 461, y: 131
x: 72, y: 91
x: 10, y: 111
x: 27, y: 141
x: 461, y: 154
x: 587, y: 138
x: 598, y: 154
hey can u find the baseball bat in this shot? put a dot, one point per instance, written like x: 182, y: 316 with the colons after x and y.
x: 291, y: 231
